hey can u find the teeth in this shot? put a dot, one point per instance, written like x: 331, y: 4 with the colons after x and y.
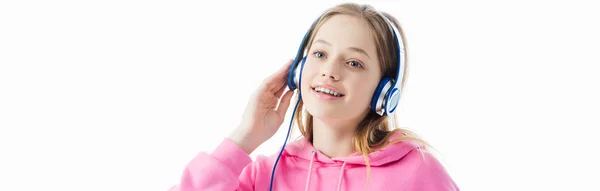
x: 328, y: 91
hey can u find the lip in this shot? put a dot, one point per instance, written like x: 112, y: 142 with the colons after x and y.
x: 328, y: 87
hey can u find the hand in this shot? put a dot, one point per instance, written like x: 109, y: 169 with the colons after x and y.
x: 262, y: 118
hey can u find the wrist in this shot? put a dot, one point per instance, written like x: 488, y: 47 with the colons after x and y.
x: 243, y: 140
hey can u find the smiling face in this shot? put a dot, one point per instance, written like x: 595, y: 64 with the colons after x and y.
x: 341, y: 71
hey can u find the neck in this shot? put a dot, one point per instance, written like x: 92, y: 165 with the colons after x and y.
x: 333, y: 138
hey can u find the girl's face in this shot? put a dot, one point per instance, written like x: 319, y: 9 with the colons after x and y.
x: 341, y: 71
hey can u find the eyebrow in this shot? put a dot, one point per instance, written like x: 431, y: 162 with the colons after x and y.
x: 355, y: 49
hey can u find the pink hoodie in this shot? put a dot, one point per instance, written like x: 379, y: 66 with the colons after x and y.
x: 400, y: 166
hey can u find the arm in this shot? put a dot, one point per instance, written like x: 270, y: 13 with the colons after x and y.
x: 227, y: 168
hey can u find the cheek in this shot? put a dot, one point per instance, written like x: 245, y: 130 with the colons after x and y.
x: 363, y: 89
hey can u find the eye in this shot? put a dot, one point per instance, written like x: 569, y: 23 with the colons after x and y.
x: 355, y: 64
x: 319, y: 54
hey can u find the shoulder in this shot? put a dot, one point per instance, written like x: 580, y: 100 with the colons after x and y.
x: 424, y: 159
x: 285, y: 157
x: 429, y: 173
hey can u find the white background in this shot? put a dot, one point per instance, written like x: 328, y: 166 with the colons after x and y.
x: 120, y: 95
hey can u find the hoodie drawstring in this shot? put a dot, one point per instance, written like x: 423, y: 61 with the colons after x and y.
x: 312, y: 159
x: 339, y: 186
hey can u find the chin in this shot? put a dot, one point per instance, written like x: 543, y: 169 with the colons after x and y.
x: 325, y: 113
x: 332, y: 112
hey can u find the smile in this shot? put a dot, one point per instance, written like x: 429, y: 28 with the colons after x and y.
x: 327, y: 91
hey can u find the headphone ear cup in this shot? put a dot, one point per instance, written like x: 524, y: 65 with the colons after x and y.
x: 298, y: 78
x: 292, y: 74
x: 378, y: 101
x: 295, y: 73
x: 392, y: 100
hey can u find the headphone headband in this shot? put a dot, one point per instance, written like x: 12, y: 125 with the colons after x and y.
x: 393, y: 96
x: 294, y: 72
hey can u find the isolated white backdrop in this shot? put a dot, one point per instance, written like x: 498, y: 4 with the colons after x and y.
x: 120, y: 95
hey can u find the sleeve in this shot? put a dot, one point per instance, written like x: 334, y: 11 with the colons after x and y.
x: 432, y: 176
x: 227, y: 168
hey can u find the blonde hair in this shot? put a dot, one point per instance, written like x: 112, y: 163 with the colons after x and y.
x: 374, y: 131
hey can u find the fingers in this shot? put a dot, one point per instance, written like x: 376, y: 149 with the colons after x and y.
x: 284, y: 105
x: 281, y: 90
x: 277, y: 80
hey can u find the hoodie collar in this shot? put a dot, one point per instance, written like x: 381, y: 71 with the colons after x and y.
x: 303, y: 149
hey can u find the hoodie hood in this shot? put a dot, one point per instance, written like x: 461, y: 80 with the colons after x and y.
x: 303, y: 149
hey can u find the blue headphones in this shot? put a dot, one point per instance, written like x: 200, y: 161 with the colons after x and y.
x: 384, y: 100
x: 387, y: 95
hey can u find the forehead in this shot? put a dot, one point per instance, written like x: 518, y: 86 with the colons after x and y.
x: 344, y: 31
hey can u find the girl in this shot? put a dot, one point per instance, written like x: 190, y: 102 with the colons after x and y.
x: 347, y: 142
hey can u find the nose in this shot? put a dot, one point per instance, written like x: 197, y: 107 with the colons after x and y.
x: 331, y: 69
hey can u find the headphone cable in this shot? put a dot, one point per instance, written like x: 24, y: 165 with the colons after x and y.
x: 284, y: 143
